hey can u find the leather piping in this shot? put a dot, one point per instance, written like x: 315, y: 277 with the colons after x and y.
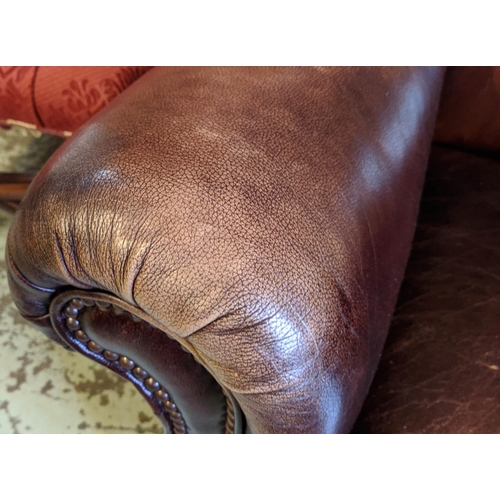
x: 65, y: 322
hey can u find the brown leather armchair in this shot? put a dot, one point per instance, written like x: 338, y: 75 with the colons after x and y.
x: 233, y: 241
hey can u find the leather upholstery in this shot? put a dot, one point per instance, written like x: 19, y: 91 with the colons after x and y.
x: 440, y: 370
x: 469, y: 112
x: 202, y: 400
x: 183, y: 395
x: 261, y: 217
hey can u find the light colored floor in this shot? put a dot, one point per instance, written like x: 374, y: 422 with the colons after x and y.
x: 44, y: 388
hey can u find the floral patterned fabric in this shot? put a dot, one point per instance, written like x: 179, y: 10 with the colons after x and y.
x: 60, y: 99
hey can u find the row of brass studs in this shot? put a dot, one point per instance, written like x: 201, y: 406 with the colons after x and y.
x: 72, y: 311
x: 230, y: 417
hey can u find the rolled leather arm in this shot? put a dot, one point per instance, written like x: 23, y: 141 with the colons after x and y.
x: 259, y: 218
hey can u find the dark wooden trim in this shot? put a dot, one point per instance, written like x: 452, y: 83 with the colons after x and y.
x: 15, y: 178
x: 13, y: 192
x: 13, y: 187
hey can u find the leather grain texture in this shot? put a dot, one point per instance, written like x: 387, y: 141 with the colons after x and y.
x: 262, y: 216
x: 440, y: 369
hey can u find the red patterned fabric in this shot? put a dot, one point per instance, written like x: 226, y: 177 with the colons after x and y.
x: 60, y: 99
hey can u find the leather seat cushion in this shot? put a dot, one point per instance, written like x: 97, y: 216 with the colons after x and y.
x: 440, y: 368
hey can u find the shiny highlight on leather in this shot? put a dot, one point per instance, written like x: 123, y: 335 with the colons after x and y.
x: 262, y: 217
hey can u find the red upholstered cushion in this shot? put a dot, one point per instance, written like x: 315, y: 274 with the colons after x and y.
x: 60, y: 99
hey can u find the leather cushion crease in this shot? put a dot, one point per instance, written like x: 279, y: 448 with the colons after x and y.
x: 262, y: 217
